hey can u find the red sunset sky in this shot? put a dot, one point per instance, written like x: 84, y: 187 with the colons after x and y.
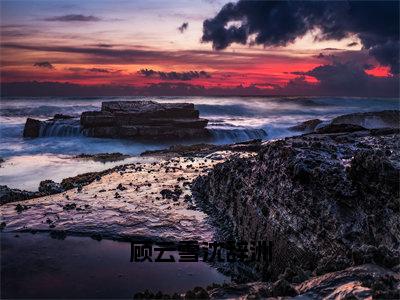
x: 142, y: 44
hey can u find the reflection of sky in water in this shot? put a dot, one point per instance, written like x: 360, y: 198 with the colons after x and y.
x: 85, y: 268
x: 26, y: 172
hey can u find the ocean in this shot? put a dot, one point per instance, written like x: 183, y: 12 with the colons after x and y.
x: 231, y: 119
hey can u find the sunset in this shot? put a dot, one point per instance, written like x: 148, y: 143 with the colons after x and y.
x: 112, y: 43
x: 200, y: 149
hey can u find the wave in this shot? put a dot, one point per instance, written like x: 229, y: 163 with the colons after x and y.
x: 237, y: 135
x: 60, y: 128
x: 45, y: 111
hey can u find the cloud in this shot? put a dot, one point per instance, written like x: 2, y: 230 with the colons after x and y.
x: 183, y: 27
x: 278, y: 23
x: 342, y: 79
x: 73, y: 18
x: 92, y: 70
x: 44, y: 64
x: 174, y: 75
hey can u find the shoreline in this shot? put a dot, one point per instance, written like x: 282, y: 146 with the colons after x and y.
x: 186, y: 194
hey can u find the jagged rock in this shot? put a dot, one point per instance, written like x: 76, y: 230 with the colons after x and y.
x: 144, y: 120
x: 62, y: 116
x: 103, y: 157
x: 307, y: 126
x: 366, y: 281
x: 335, y: 128
x: 371, y: 120
x: 11, y: 195
x: 318, y: 197
x: 49, y: 187
x: 32, y: 128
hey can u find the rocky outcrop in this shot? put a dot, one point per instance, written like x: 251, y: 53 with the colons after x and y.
x: 201, y: 150
x: 326, y: 201
x: 49, y: 187
x: 103, y: 157
x: 144, y: 120
x: 59, y: 125
x: 11, y: 195
x: 307, y: 126
x: 352, y: 122
x: 32, y: 128
x: 371, y: 120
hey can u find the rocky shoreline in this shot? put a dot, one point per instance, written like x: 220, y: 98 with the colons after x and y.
x: 328, y: 199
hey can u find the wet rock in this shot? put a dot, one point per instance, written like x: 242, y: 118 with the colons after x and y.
x: 8, y: 195
x: 335, y: 128
x: 144, y: 120
x: 371, y: 120
x: 171, y: 194
x: 49, y: 187
x: 103, y: 157
x: 366, y: 281
x: 307, y: 126
x: 32, y: 128
x: 121, y: 187
x: 202, y: 150
x: 316, y: 197
x: 282, y: 288
x: 69, y: 206
x: 20, y: 208
x: 62, y: 116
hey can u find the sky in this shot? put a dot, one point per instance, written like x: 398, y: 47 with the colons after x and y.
x: 200, y: 47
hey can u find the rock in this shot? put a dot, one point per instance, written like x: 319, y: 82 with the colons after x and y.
x: 103, y: 157
x: 371, y: 120
x: 307, y: 126
x: 366, y: 281
x: 49, y: 187
x: 11, y: 195
x: 32, y: 128
x: 144, y: 120
x: 318, y: 198
x: 336, y: 128
x: 61, y: 116
x: 283, y: 288
x: 20, y: 208
x: 201, y: 150
x: 60, y: 125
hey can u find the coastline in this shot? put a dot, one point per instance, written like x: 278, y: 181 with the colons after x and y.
x: 154, y: 200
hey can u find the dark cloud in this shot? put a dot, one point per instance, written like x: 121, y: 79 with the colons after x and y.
x: 93, y: 55
x: 343, y: 79
x: 174, y: 75
x: 73, y: 18
x: 92, y: 70
x: 278, y: 23
x: 183, y: 27
x: 44, y: 64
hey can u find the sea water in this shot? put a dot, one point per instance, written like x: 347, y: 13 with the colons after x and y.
x: 231, y: 119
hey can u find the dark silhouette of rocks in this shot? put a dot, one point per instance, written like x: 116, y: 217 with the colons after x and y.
x: 326, y: 201
x: 377, y: 120
x: 144, y: 120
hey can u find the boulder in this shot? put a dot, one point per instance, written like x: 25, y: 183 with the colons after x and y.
x: 336, y: 128
x: 144, y: 120
x: 327, y: 202
x: 307, y: 126
x: 49, y: 187
x: 371, y: 120
x: 32, y: 128
x: 11, y: 195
